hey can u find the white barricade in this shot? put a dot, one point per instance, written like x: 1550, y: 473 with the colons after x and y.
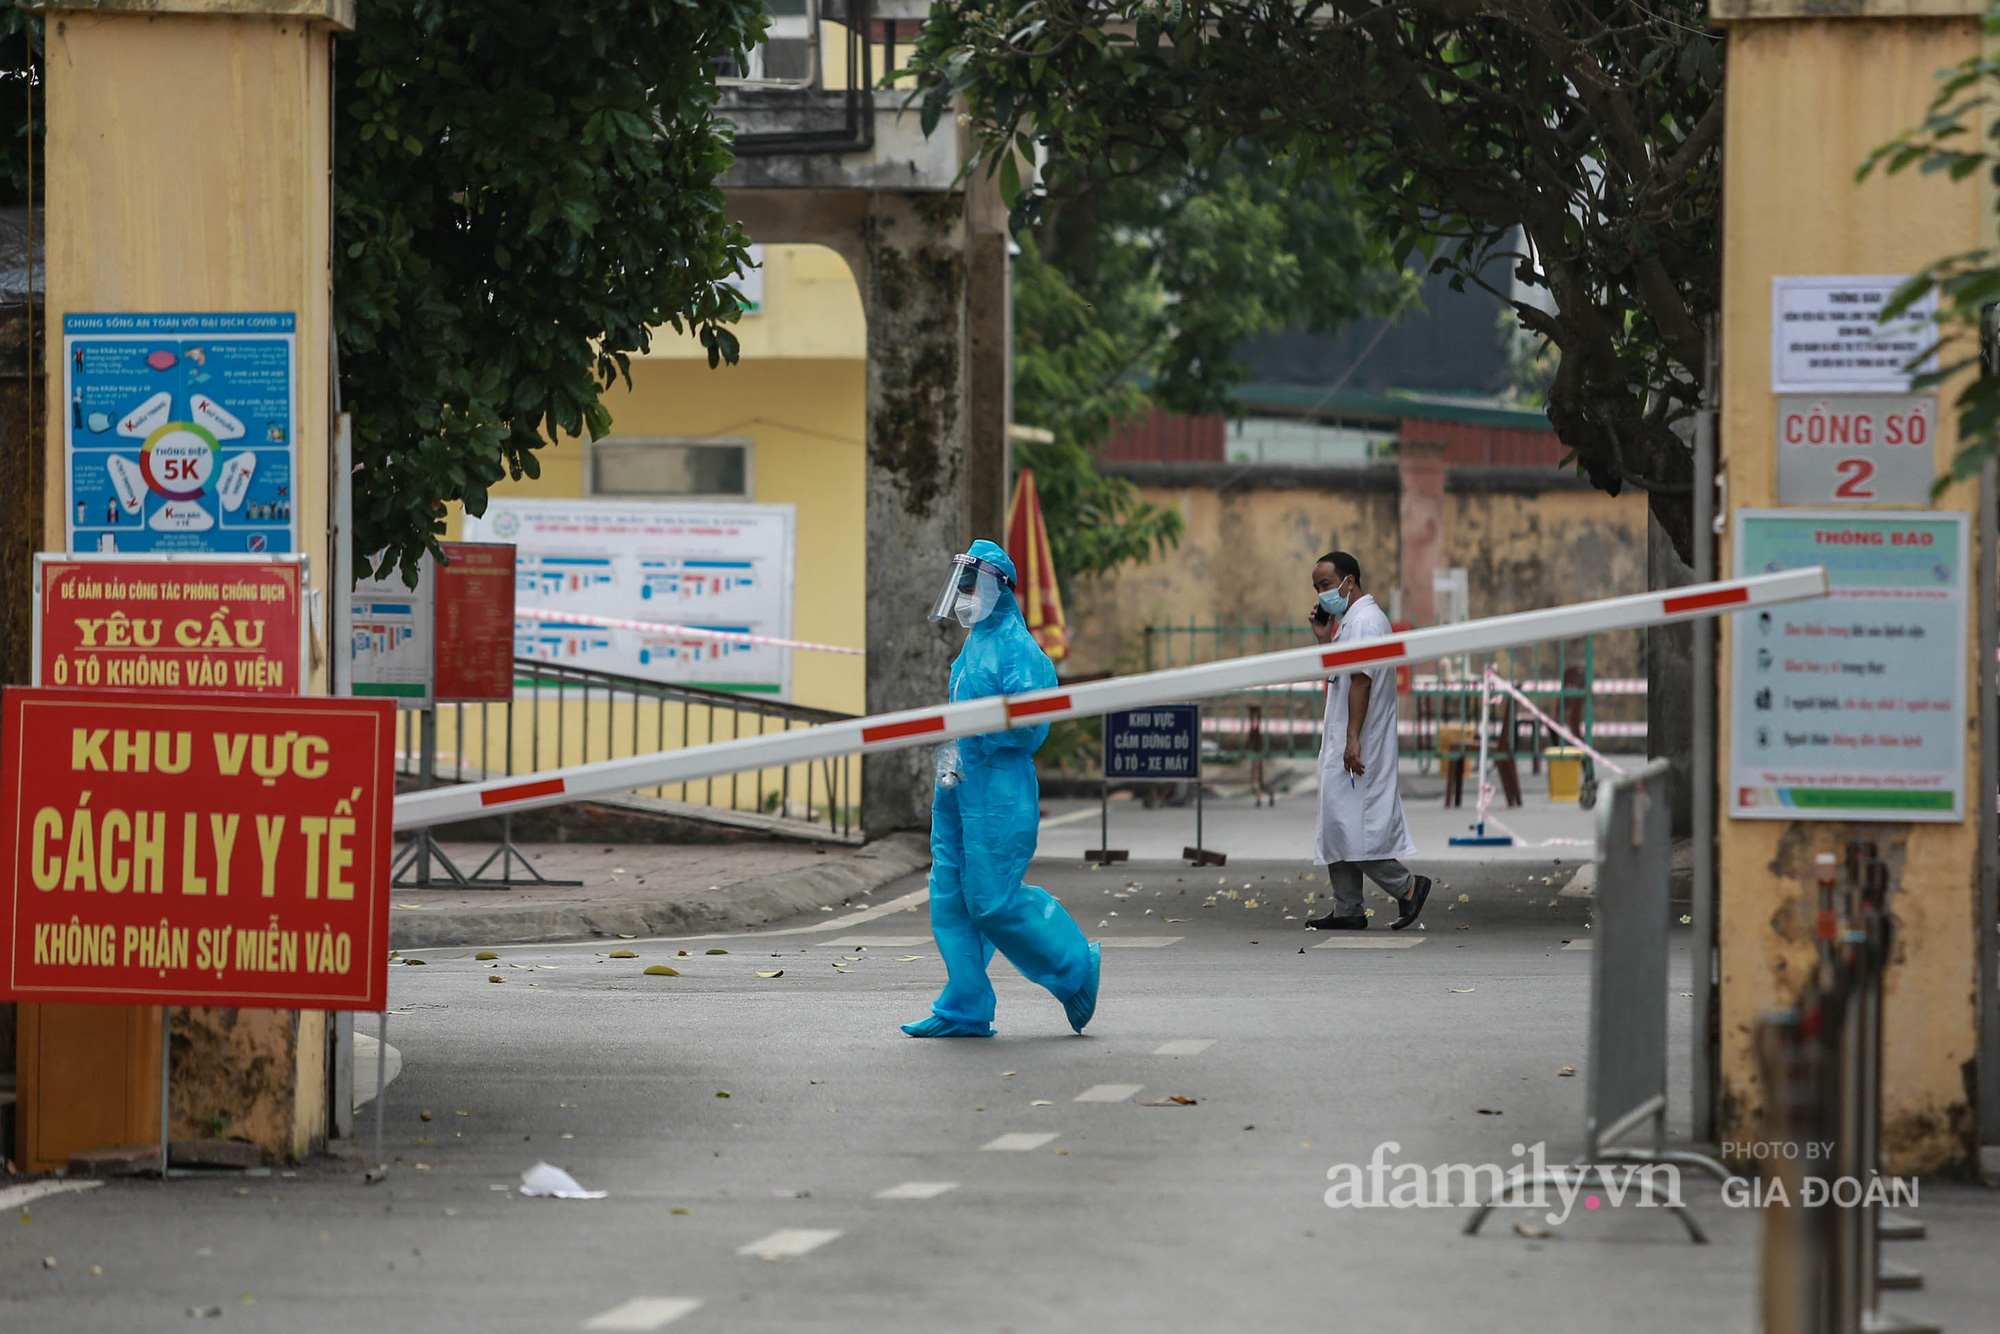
x: 922, y: 727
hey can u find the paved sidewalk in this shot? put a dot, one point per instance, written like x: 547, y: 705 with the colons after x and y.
x: 647, y: 889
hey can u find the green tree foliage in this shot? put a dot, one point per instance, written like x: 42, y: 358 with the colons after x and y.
x: 1590, y: 127
x: 1949, y: 141
x: 521, y: 191
x: 20, y: 80
x: 1136, y: 293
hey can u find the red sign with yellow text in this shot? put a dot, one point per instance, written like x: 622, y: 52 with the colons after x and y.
x: 205, y: 850
x: 208, y: 624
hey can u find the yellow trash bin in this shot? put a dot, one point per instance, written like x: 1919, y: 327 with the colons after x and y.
x: 1565, y: 765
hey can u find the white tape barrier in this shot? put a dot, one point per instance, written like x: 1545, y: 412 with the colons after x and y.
x: 1502, y: 683
x: 997, y: 713
x: 676, y: 631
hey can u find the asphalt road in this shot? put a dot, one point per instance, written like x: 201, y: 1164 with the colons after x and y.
x: 765, y: 1209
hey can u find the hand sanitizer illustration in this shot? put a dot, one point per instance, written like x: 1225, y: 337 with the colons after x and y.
x: 235, y: 484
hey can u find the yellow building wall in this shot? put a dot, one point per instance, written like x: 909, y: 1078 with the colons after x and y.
x: 799, y: 394
x: 1246, y: 557
x: 1807, y: 101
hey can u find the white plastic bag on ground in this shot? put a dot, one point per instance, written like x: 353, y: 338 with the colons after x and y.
x: 548, y: 1179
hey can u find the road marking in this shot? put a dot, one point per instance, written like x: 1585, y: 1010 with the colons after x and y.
x: 790, y: 1241
x: 1085, y: 814
x: 1371, y: 943
x: 1584, y: 944
x: 643, y: 1313
x: 1020, y: 1141
x: 912, y: 899
x: 1107, y: 1093
x: 877, y: 942
x: 1184, y: 1047
x: 13, y: 1197
x: 1138, y: 942
x: 916, y: 1190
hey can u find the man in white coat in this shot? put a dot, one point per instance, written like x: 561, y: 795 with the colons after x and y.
x: 1361, y: 826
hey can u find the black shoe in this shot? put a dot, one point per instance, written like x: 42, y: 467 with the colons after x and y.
x: 1420, y: 890
x: 1333, y: 923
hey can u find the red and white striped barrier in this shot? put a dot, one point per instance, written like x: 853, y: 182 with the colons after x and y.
x: 997, y: 713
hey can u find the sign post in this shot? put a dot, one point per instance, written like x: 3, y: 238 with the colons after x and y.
x: 199, y: 624
x: 1161, y: 743
x: 473, y: 624
x: 473, y: 663
x: 167, y: 850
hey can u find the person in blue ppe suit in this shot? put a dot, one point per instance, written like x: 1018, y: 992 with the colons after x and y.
x: 985, y: 817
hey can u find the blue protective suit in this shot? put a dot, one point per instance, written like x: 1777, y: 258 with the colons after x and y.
x: 983, y: 834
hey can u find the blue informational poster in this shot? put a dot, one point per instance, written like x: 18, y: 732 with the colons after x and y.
x: 1161, y: 742
x: 180, y: 432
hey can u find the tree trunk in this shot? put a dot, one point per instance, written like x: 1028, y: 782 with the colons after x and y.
x: 915, y: 288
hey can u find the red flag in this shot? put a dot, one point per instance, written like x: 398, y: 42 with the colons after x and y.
x: 1028, y: 544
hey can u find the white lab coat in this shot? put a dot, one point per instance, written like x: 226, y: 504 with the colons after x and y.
x: 1361, y: 819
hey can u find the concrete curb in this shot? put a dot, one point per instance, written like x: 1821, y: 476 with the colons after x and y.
x: 744, y: 904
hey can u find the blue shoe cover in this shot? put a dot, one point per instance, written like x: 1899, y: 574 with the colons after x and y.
x: 1083, y: 1004
x: 935, y: 1027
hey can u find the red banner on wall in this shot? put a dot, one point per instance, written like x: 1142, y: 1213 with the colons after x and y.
x: 473, y: 647
x: 221, y: 850
x: 209, y: 625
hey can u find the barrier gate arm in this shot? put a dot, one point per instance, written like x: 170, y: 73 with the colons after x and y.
x: 922, y: 727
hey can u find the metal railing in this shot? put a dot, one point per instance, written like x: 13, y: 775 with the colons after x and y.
x: 1440, y: 716
x: 562, y: 715
x: 1821, y: 1064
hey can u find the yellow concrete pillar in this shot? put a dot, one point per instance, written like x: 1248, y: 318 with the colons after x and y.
x: 1809, y: 96
x: 189, y: 159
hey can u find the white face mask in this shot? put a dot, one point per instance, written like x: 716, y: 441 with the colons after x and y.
x: 966, y: 609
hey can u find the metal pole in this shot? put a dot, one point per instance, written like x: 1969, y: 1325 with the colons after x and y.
x: 1103, y: 818
x: 381, y: 1083
x: 166, y: 1076
x: 1485, y: 712
x: 1104, y: 799
x: 1701, y: 952
x: 427, y: 754
x: 1989, y: 825
x: 1868, y: 1152
x: 340, y: 657
x: 1791, y: 1259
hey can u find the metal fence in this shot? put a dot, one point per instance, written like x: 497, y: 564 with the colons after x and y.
x: 1440, y: 719
x: 562, y: 715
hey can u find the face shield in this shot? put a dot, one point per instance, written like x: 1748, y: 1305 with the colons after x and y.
x: 971, y: 591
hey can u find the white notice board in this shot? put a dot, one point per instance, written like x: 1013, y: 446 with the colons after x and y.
x: 1825, y: 337
x: 1852, y: 706
x: 704, y: 565
x: 391, y: 637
